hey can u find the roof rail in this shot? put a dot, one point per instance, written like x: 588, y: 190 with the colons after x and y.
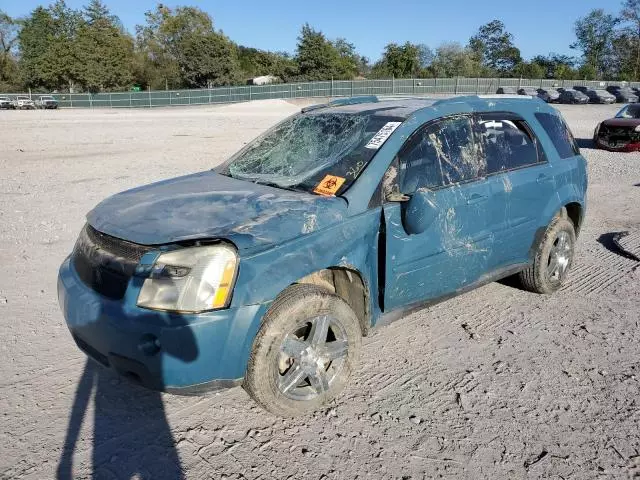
x: 339, y: 102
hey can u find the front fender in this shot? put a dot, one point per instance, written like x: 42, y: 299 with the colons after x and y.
x: 352, y: 243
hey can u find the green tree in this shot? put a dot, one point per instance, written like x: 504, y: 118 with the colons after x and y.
x: 627, y: 45
x: 319, y: 59
x: 254, y: 63
x: 351, y: 63
x: 595, y: 34
x: 403, y: 61
x: 532, y: 70
x: 181, y: 48
x: 9, y: 73
x: 48, y: 48
x: 105, y: 51
x: 556, y: 66
x: 453, y: 60
x: 493, y: 48
x: 209, y: 60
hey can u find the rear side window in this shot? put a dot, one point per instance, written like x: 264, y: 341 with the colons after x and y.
x: 560, y: 134
x: 507, y: 143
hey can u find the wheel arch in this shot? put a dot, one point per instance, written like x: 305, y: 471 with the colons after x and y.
x: 347, y: 283
x: 567, y: 200
x: 575, y: 213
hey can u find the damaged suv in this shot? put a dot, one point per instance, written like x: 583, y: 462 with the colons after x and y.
x: 267, y: 271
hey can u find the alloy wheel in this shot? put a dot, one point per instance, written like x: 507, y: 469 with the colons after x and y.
x: 311, y: 357
x: 559, y: 256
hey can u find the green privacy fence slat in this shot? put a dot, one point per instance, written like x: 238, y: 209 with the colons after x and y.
x: 329, y: 88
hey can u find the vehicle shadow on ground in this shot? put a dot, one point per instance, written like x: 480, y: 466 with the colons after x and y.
x: 585, y: 143
x: 610, y: 242
x: 131, y: 434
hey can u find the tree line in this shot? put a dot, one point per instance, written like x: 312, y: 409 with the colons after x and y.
x: 58, y: 48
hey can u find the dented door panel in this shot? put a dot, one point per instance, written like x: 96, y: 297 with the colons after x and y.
x: 515, y: 197
x: 449, y: 255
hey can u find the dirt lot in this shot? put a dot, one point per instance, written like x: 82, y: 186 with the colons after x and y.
x: 497, y: 383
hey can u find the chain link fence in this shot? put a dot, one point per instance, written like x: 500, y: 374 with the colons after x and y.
x: 330, y: 88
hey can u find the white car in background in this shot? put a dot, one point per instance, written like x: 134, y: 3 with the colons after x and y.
x: 22, y: 102
x: 46, y: 102
x: 6, y: 103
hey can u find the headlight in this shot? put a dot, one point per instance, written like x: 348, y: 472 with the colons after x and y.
x: 191, y: 280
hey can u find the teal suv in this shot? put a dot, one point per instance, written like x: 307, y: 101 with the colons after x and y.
x: 267, y: 271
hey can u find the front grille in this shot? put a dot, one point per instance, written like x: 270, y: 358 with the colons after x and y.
x: 106, y: 263
x: 115, y: 246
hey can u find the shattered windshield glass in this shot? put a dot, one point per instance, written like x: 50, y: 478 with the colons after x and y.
x: 306, y: 149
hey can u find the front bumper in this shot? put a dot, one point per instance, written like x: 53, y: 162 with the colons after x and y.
x: 620, y: 147
x: 177, y: 353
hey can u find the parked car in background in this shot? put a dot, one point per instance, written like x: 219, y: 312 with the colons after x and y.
x: 267, y: 271
x: 622, y: 94
x: 22, y: 102
x: 530, y: 91
x: 621, y: 133
x: 600, y: 96
x: 46, y: 102
x: 6, y: 103
x: 573, y: 96
x: 581, y: 88
x: 549, y: 95
x: 507, y: 91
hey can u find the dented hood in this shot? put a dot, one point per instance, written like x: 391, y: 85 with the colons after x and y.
x: 208, y: 205
x: 622, y: 122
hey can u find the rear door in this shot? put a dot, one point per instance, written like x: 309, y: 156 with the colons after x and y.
x: 521, y: 182
x: 442, y: 162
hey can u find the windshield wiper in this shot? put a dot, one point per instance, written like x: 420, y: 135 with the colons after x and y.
x: 263, y: 182
x: 273, y: 184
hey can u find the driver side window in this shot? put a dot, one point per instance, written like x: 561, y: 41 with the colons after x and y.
x: 440, y: 154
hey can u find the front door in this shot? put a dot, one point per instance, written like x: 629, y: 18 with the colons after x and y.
x: 442, y: 168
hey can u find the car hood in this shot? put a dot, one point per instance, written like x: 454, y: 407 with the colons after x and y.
x: 622, y: 122
x: 208, y: 205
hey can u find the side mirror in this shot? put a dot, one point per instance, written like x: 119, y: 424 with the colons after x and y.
x: 419, y: 212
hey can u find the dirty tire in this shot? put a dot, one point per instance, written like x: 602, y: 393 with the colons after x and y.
x: 295, y: 309
x: 537, y: 278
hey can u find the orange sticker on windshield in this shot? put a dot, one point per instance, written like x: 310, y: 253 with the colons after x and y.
x: 329, y: 185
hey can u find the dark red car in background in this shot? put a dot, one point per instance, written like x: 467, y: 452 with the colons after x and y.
x: 620, y: 133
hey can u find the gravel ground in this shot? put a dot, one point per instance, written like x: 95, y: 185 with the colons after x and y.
x: 497, y: 383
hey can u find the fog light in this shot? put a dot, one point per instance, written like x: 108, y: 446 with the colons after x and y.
x: 149, y: 344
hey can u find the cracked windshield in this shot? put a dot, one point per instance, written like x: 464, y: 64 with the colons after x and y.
x: 315, y: 152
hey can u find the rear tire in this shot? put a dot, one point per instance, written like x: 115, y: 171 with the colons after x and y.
x: 304, y: 352
x: 553, y: 257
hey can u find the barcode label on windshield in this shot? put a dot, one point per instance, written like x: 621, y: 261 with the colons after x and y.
x: 384, y: 133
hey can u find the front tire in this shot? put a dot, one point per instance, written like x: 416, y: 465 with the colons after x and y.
x: 304, y: 352
x: 553, y: 257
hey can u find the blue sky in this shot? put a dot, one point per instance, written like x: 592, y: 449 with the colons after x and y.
x: 542, y: 26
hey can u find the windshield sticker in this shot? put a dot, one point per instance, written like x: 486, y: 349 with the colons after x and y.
x: 329, y: 185
x: 384, y: 133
